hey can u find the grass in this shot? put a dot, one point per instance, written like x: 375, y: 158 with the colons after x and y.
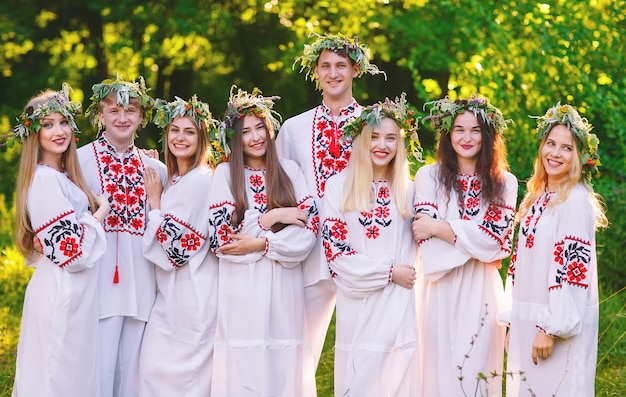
x: 610, y: 375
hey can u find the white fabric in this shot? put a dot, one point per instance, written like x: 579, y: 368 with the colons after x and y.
x: 313, y: 140
x: 377, y: 344
x: 261, y: 346
x: 554, y: 287
x: 57, y: 353
x: 132, y: 293
x: 120, y: 343
x: 460, y: 293
x: 177, y: 349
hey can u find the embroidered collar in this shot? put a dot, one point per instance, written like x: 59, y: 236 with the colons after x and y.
x: 344, y: 111
x: 103, y: 139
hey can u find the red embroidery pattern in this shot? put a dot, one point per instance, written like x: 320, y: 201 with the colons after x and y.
x: 178, y: 239
x: 308, y: 205
x: 528, y: 227
x: 381, y: 213
x: 572, y: 256
x: 335, y: 240
x: 122, y: 180
x: 220, y: 226
x: 469, y: 202
x: 256, y: 183
x: 330, y: 153
x: 511, y: 271
x: 61, y: 238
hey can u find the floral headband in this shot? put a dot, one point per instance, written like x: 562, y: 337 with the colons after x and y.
x: 399, y: 112
x: 358, y: 53
x: 580, y: 127
x: 241, y: 104
x: 443, y: 112
x: 165, y: 112
x: 125, y: 90
x: 29, y: 121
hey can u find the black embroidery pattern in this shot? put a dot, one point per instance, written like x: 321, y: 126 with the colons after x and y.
x: 178, y: 240
x: 61, y: 239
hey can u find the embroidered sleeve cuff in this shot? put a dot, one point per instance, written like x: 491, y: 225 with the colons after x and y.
x: 261, y: 224
x: 390, y: 277
x: 267, y: 246
x: 545, y: 332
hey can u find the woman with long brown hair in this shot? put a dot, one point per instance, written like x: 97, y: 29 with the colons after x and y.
x: 263, y: 223
x: 177, y: 346
x: 464, y: 210
x: 57, y: 353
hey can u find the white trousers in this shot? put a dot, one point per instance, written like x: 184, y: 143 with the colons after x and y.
x: 319, y: 300
x: 120, y: 343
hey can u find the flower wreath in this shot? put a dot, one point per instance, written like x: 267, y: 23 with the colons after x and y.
x: 241, y: 104
x: 165, y: 112
x: 358, y: 53
x: 400, y: 112
x: 29, y: 121
x: 444, y: 111
x: 580, y: 127
x: 124, y: 91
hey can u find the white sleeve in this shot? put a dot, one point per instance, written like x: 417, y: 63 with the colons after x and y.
x: 72, y: 241
x: 572, y: 267
x: 177, y: 233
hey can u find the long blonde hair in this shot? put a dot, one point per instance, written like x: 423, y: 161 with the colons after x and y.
x: 360, y: 174
x: 538, y: 183
x: 31, y: 155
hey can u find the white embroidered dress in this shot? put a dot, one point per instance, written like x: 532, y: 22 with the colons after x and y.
x: 554, y: 286
x: 262, y: 345
x: 126, y: 283
x: 460, y: 293
x: 377, y: 344
x: 177, y: 347
x: 57, y: 353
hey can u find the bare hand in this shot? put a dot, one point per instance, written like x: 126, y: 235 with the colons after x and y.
x: 423, y: 227
x: 496, y: 263
x: 404, y: 276
x: 154, y: 187
x: 286, y: 215
x: 102, y: 202
x: 153, y: 153
x: 242, y: 244
x: 542, y: 346
x: 37, y: 245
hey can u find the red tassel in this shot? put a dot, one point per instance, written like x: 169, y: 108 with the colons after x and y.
x: 333, y: 149
x: 116, y: 277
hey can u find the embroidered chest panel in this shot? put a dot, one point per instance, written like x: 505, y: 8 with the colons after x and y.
x: 121, y: 179
x: 528, y: 228
x: 257, y: 191
x: 330, y: 152
x: 469, y: 202
x: 373, y: 222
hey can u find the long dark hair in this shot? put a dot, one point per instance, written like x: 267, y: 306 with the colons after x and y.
x: 280, y: 191
x: 491, y: 165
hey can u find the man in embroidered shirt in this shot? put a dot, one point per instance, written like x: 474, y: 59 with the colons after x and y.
x: 312, y: 139
x: 113, y: 166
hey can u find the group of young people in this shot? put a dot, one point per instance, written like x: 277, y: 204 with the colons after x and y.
x: 218, y: 272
